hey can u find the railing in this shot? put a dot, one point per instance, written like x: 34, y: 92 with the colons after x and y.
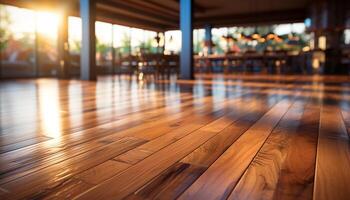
x: 279, y: 62
x: 146, y: 63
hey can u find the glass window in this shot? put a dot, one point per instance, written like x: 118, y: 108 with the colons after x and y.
x: 218, y: 40
x: 103, y: 44
x: 74, y: 34
x: 74, y: 43
x: 137, y: 38
x: 150, y: 42
x: 172, y: 42
x: 17, y: 29
x: 121, y: 40
x: 47, y: 33
x: 198, y: 40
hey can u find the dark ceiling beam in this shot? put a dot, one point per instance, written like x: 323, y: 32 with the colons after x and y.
x: 198, y: 8
x: 288, y: 16
x: 151, y: 18
x: 102, y: 15
x: 154, y: 7
x: 124, y: 20
x: 132, y: 11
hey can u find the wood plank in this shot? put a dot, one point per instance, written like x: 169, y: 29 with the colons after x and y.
x: 332, y: 178
x: 192, y: 123
x: 176, y: 179
x: 3, y: 192
x: 89, y: 108
x: 284, y: 167
x: 140, y: 173
x: 40, y: 183
x: 148, y: 139
x: 90, y: 117
x: 171, y: 183
x: 206, y: 154
x: 21, y: 144
x: 16, y: 163
x: 133, y: 156
x: 102, y: 172
x: 66, y: 190
x: 299, y: 165
x: 85, y: 180
x: 346, y: 118
x: 218, y: 181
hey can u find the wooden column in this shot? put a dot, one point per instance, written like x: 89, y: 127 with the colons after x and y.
x: 328, y: 20
x: 335, y: 23
x: 63, y: 47
x: 186, y: 56
x: 88, y: 43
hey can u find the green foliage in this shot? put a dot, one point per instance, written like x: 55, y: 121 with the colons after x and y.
x: 4, y: 24
x: 74, y: 46
x: 125, y: 44
x: 25, y: 40
x: 102, y: 48
x: 147, y: 46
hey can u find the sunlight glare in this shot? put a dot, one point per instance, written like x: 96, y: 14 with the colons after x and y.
x: 50, y: 109
x: 47, y: 23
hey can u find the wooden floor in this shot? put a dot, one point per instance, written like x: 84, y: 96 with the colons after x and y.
x: 218, y: 137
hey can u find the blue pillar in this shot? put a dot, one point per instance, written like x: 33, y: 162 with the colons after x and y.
x: 88, y: 43
x: 186, y: 56
x: 208, y: 38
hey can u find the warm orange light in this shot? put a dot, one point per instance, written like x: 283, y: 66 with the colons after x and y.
x: 255, y: 36
x: 278, y: 39
x: 47, y: 23
x: 50, y: 109
x: 270, y: 36
x: 315, y: 63
x: 261, y: 40
x: 306, y: 48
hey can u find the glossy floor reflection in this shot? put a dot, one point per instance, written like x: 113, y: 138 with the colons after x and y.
x: 217, y: 137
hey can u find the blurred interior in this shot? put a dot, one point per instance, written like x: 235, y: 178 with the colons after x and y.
x: 293, y: 37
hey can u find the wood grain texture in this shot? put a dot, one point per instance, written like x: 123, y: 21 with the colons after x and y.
x: 24, y: 143
x: 42, y: 182
x: 17, y: 164
x: 66, y: 190
x: 193, y: 123
x: 137, y: 175
x: 219, y: 136
x: 171, y: 183
x: 332, y: 178
x: 102, y: 172
x: 346, y: 118
x: 176, y: 179
x: 284, y: 167
x: 218, y: 181
x: 206, y: 154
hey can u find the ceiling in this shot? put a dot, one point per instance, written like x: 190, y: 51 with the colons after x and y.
x: 164, y: 15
